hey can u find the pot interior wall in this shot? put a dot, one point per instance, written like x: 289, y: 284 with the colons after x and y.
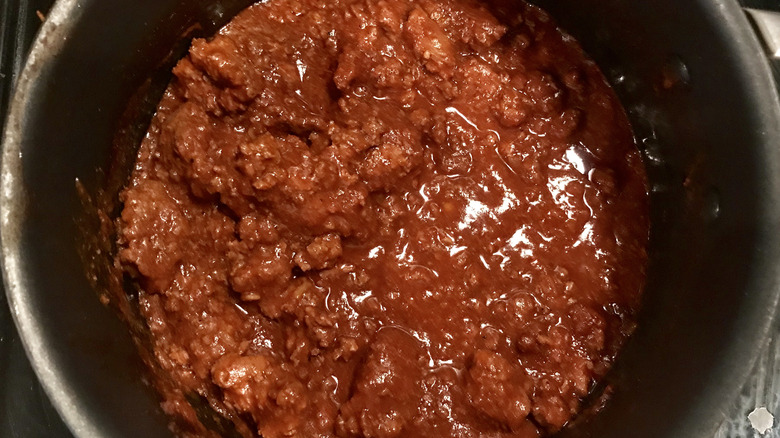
x: 694, y: 99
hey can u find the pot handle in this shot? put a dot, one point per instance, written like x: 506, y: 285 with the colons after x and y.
x: 768, y: 25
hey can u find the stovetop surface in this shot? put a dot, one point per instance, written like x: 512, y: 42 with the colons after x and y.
x: 25, y: 411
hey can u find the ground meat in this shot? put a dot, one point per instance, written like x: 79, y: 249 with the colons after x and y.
x: 394, y: 218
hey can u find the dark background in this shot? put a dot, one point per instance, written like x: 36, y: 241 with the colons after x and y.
x: 762, y: 4
x: 24, y: 409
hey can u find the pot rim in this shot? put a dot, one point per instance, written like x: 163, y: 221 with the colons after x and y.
x: 61, y: 19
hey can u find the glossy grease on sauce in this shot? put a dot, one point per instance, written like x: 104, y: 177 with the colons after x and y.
x: 403, y: 218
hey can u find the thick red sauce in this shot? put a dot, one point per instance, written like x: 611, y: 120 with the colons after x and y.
x: 398, y: 218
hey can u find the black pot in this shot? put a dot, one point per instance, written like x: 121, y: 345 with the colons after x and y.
x: 700, y: 96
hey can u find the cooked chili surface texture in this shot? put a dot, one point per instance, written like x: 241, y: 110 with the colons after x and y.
x: 399, y: 218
